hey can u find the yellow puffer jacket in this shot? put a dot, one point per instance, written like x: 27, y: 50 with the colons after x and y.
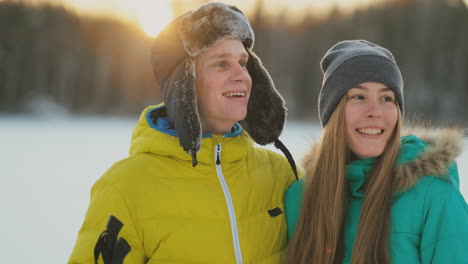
x: 175, y: 213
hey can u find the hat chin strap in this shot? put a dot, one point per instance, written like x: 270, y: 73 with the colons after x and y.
x: 194, y: 158
x: 279, y: 145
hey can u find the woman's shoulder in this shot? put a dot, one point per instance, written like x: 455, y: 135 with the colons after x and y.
x: 440, y: 190
x: 436, y: 197
x: 428, y: 154
x: 435, y: 187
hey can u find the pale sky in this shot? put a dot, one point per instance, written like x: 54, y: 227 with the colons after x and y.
x: 124, y: 7
x: 153, y: 15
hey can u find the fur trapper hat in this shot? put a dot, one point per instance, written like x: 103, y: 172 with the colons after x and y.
x: 173, y: 59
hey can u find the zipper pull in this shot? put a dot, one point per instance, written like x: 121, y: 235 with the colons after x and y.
x: 218, y: 154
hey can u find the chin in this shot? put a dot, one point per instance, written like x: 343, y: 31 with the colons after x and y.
x: 238, y: 116
x: 368, y: 153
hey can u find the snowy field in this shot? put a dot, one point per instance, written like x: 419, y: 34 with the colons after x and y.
x: 49, y: 165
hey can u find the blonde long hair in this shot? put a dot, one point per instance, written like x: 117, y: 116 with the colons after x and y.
x: 319, y: 236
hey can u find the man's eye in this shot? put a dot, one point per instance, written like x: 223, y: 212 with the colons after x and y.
x: 221, y: 64
x: 243, y: 64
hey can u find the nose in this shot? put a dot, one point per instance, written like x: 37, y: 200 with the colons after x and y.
x: 373, y: 110
x: 240, y: 74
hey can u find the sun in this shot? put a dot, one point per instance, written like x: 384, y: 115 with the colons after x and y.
x: 153, y: 15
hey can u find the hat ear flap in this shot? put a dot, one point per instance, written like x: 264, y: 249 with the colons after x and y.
x: 266, y: 111
x: 182, y: 109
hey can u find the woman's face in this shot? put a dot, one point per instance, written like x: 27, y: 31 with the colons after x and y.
x: 370, y: 118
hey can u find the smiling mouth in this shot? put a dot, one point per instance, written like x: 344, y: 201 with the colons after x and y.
x: 370, y: 131
x: 235, y: 95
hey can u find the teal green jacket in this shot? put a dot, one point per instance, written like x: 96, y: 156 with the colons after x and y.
x: 429, y: 218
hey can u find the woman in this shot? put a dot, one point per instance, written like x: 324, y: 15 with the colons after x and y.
x: 369, y: 195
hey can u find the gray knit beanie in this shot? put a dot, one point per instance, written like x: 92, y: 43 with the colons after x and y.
x: 351, y: 62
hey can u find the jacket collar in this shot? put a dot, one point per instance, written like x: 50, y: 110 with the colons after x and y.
x: 356, y: 173
x: 158, y: 138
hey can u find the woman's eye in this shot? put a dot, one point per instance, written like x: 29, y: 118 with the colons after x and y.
x: 388, y: 99
x: 243, y: 64
x: 357, y: 97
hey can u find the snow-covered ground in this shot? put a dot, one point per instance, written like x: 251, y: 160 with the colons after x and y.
x: 49, y: 165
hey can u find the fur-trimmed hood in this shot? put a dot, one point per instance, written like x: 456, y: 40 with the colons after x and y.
x: 438, y: 149
x: 444, y: 146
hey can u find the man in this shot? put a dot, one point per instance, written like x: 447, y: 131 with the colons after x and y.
x: 195, y: 189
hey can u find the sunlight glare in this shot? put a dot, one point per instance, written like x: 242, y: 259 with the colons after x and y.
x: 152, y: 16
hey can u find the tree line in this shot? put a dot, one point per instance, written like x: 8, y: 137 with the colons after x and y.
x: 97, y: 65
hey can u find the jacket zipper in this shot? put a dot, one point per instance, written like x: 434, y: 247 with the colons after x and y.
x: 227, y: 196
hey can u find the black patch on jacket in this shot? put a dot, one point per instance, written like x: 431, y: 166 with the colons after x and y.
x: 275, y: 212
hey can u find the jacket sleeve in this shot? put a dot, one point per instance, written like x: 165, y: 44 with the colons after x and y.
x: 444, y: 237
x: 106, y: 199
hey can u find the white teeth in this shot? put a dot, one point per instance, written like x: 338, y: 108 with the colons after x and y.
x: 370, y: 131
x: 234, y: 94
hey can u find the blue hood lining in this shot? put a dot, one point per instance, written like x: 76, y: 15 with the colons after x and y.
x: 162, y: 125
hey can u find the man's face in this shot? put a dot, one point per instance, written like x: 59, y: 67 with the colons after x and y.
x: 222, y: 85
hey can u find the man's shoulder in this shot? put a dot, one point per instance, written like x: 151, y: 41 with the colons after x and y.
x: 133, y: 167
x: 275, y: 159
x: 265, y: 153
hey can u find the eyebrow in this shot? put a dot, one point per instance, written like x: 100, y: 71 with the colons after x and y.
x: 384, y: 89
x: 228, y: 54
